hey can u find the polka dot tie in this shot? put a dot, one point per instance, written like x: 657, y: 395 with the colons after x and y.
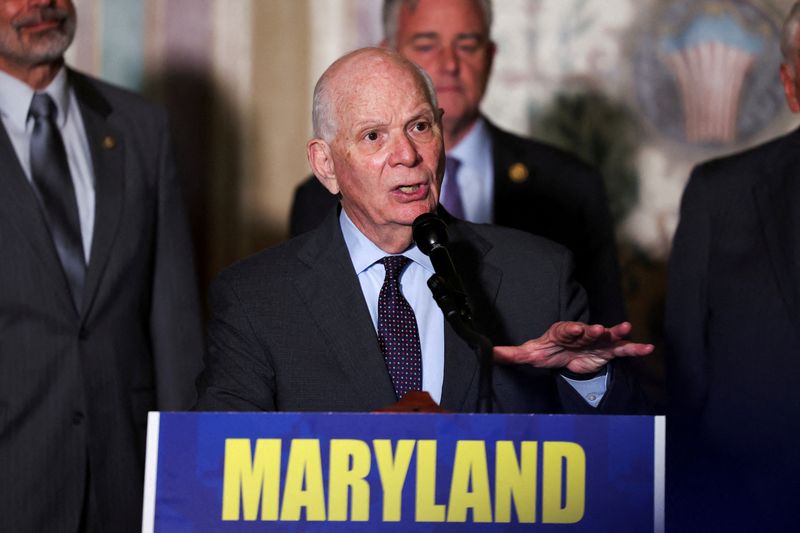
x: 397, y: 330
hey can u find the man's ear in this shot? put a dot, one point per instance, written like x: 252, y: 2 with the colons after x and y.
x: 492, y: 51
x: 321, y: 161
x: 789, y: 88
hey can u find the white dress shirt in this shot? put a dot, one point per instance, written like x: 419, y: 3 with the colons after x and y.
x: 430, y: 321
x: 15, y: 101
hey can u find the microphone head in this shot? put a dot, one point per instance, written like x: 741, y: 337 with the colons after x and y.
x: 429, y: 232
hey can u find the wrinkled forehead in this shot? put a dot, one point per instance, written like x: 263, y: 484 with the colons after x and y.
x: 375, y: 85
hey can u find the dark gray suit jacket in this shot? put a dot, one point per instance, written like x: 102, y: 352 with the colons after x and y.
x: 733, y: 339
x: 75, y: 387
x: 561, y: 199
x: 291, y: 331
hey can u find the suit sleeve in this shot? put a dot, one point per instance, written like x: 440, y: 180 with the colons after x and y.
x: 687, y: 304
x: 623, y: 395
x: 175, y: 325
x: 237, y: 375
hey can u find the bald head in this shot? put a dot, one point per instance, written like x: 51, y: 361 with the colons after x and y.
x: 350, y: 73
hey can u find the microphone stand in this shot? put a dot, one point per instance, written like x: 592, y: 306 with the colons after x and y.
x: 455, y: 307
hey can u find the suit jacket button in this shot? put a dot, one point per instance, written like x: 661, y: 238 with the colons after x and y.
x: 77, y: 418
x: 83, y: 334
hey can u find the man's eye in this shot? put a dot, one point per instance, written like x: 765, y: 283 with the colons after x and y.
x: 469, y: 45
x: 422, y: 126
x: 423, y: 48
x: 371, y: 136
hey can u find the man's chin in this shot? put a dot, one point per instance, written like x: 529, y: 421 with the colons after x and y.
x: 411, y: 213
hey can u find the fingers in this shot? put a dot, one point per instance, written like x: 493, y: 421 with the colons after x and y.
x: 633, y: 349
x: 578, y: 334
x: 586, y: 365
x: 621, y: 330
x: 507, y: 354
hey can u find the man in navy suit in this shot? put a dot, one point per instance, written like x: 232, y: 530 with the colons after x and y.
x: 733, y: 335
x: 99, y: 318
x: 501, y: 178
x: 308, y: 325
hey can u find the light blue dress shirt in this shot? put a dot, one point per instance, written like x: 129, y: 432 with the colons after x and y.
x: 15, y: 101
x: 364, y: 255
x: 476, y: 174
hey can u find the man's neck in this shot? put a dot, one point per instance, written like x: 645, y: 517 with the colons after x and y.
x: 391, y: 238
x: 35, y: 76
x: 454, y: 133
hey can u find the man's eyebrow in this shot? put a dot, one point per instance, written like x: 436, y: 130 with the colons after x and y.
x: 471, y: 35
x: 425, y: 35
x: 368, y: 124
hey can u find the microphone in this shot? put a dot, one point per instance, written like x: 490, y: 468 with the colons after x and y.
x: 430, y: 234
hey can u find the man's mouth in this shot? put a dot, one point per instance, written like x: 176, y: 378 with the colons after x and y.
x: 39, y: 20
x: 448, y: 88
x: 409, y: 188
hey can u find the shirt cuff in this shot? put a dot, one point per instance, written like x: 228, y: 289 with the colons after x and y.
x: 592, y: 390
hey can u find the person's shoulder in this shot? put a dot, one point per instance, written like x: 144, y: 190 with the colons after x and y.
x: 747, y: 164
x: 504, y: 242
x: 550, y: 170
x: 540, y: 153
x: 108, y: 98
x: 266, y: 265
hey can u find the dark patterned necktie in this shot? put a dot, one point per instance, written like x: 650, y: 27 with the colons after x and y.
x: 452, y: 195
x: 53, y: 183
x: 397, y: 330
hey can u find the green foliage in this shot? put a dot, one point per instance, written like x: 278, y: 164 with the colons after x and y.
x: 603, y: 133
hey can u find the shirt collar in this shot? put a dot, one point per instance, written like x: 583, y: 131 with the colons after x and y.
x: 16, y: 96
x: 364, y: 253
x: 472, y: 147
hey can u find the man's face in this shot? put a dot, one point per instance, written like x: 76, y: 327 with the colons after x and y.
x: 387, y: 152
x: 450, y: 40
x: 34, y: 32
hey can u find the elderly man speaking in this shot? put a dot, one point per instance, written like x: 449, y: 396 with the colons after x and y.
x: 341, y: 319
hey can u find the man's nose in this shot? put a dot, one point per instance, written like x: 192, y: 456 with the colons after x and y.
x: 403, y: 151
x: 448, y: 59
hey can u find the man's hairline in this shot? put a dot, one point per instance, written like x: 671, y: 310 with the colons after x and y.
x: 391, y: 17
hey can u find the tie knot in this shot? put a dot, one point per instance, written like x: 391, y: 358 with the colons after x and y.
x: 42, y: 106
x: 451, y: 166
x: 394, y: 265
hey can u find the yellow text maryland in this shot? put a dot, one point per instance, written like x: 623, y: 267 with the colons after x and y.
x: 253, y: 488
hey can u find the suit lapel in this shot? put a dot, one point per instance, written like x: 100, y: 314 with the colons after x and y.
x: 777, y: 196
x: 108, y: 156
x: 481, y: 281
x: 21, y: 208
x: 327, y: 283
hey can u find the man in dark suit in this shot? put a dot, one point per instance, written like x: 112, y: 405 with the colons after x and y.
x: 733, y: 325
x: 501, y: 178
x: 99, y: 319
x: 317, y: 323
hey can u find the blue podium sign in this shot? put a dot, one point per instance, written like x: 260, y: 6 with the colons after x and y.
x: 403, y: 472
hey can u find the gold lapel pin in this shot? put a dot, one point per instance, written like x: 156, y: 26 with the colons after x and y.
x: 518, y: 172
x: 109, y: 142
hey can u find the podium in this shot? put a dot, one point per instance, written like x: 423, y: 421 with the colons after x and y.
x: 403, y: 472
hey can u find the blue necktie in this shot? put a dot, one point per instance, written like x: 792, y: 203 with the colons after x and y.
x: 397, y: 330
x: 451, y: 194
x: 53, y: 184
